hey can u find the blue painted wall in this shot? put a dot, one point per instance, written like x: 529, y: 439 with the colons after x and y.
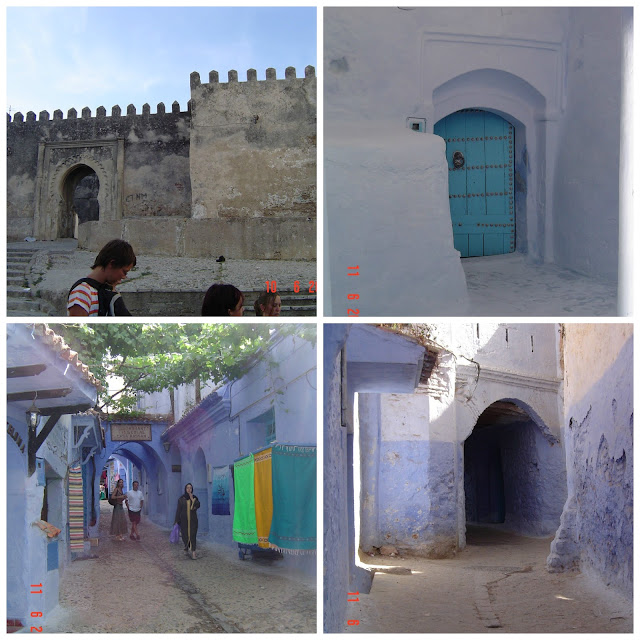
x: 335, y: 509
x: 230, y: 423
x: 601, y: 436
x: 27, y: 545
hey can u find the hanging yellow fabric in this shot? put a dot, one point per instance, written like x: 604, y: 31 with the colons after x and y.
x: 263, y: 496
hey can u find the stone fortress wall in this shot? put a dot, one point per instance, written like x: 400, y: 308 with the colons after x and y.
x: 234, y: 174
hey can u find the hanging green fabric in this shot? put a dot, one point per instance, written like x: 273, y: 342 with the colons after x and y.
x: 244, y: 513
x: 293, y: 526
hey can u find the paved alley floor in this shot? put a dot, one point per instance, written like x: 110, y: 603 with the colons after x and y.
x: 152, y: 586
x: 507, y: 286
x: 498, y: 583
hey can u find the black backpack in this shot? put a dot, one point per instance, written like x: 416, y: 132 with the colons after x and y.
x: 110, y: 303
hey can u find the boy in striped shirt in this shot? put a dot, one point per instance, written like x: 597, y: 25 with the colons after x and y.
x: 110, y: 268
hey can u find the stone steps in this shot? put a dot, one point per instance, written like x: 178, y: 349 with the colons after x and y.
x: 20, y: 300
x: 177, y: 303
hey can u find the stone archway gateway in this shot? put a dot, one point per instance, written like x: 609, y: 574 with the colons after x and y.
x: 61, y: 166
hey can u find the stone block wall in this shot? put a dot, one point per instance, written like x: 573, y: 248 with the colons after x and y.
x: 253, y: 151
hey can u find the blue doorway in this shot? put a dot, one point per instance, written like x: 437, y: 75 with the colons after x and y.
x: 479, y: 147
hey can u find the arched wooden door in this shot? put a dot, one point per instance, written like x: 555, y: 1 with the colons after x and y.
x: 480, y: 159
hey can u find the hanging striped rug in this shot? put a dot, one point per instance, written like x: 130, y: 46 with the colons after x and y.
x: 76, y: 510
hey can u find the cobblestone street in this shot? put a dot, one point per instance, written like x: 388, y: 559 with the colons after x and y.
x: 498, y: 584
x: 152, y: 586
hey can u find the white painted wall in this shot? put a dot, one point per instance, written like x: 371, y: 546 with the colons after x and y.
x: 387, y: 208
x: 586, y: 188
x: 525, y: 348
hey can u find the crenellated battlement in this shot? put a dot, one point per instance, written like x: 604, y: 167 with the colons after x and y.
x: 116, y: 110
x: 101, y: 112
x: 252, y: 76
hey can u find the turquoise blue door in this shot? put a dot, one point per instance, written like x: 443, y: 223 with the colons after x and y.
x: 480, y: 159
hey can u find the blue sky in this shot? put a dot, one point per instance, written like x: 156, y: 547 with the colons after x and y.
x: 64, y: 57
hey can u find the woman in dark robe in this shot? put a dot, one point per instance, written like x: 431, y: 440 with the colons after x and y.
x: 187, y: 518
x: 119, y: 526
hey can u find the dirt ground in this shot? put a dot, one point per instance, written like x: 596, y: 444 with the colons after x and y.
x: 59, y: 263
x: 152, y: 586
x: 498, y: 583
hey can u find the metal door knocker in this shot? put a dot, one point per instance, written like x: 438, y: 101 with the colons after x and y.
x: 458, y: 160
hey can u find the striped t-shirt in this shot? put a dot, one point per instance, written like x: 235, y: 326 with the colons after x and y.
x: 86, y: 297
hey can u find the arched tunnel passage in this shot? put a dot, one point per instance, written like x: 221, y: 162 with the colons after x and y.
x: 151, y: 472
x: 81, y: 188
x: 514, y: 473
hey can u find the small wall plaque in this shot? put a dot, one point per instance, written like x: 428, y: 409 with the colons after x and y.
x: 417, y: 124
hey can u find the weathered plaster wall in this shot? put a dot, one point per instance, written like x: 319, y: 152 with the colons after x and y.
x: 596, y: 532
x: 254, y: 146
x: 408, y: 470
x: 253, y: 163
x: 524, y: 348
x: 520, y: 363
x: 586, y: 191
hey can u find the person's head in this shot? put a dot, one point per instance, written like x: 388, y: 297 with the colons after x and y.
x: 188, y: 489
x: 223, y: 300
x: 268, y: 304
x: 116, y: 259
x: 120, y: 483
x: 136, y: 484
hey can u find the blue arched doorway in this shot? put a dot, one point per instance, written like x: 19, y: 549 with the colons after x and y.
x: 479, y: 147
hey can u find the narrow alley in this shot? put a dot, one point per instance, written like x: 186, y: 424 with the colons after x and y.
x: 498, y: 583
x: 152, y: 586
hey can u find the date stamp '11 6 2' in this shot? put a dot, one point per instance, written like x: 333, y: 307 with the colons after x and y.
x: 36, y: 614
x: 353, y: 271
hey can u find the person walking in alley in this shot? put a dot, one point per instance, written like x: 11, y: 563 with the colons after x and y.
x: 187, y: 518
x: 119, y: 527
x: 135, y: 502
